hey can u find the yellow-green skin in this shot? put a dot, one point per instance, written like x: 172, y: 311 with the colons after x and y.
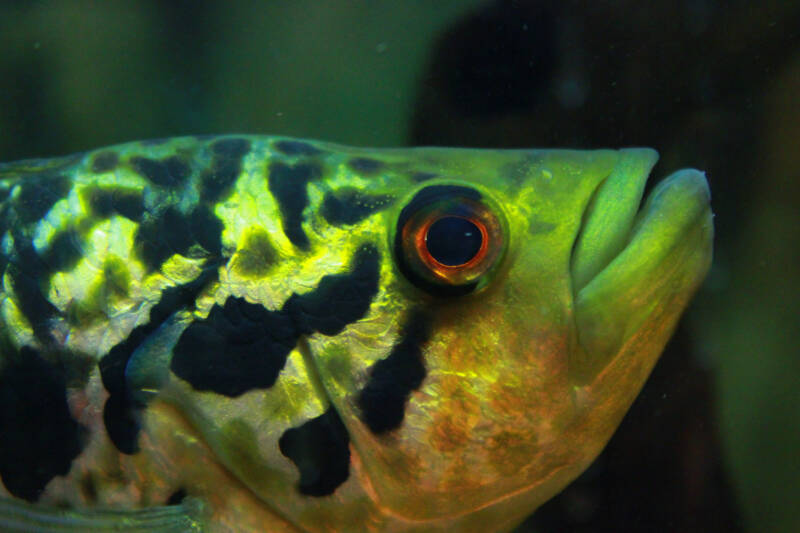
x: 526, y: 379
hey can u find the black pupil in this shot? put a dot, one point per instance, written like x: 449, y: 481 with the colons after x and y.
x: 453, y: 241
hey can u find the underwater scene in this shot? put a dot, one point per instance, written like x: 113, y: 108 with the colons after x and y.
x: 406, y: 266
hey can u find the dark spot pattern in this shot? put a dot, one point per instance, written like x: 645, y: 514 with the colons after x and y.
x: 120, y: 412
x: 88, y: 487
x: 289, y: 147
x: 242, y: 346
x: 38, y: 194
x: 64, y: 251
x: 238, y: 347
x: 105, y: 162
x: 226, y: 165
x: 349, y: 205
x: 256, y: 255
x: 365, y: 165
x: 339, y: 299
x: 169, y: 172
x: 206, y: 228
x: 107, y: 201
x: 320, y: 450
x: 383, y: 399
x: 172, y: 232
x: 177, y: 497
x: 40, y: 439
x: 28, y: 271
x: 288, y: 183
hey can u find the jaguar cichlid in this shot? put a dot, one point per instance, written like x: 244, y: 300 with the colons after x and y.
x: 249, y: 333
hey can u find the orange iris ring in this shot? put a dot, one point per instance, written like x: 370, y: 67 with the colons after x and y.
x: 429, y: 259
x: 416, y: 233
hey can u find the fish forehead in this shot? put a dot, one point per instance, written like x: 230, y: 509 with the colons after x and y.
x: 167, y: 196
x: 110, y: 232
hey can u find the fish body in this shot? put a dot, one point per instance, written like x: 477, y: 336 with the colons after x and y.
x: 251, y: 333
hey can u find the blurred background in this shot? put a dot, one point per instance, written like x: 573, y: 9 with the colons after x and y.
x: 713, y: 442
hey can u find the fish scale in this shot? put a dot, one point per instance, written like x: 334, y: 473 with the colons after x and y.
x: 253, y: 333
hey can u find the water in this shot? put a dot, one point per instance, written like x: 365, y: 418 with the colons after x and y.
x: 711, y: 443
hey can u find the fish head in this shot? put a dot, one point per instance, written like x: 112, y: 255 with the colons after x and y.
x: 514, y: 356
x: 450, y: 337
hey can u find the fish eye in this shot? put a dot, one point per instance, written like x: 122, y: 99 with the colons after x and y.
x: 448, y: 239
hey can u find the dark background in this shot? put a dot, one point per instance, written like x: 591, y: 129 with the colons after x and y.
x: 713, y: 442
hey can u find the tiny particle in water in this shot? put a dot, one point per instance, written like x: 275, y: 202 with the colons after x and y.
x: 381, y: 47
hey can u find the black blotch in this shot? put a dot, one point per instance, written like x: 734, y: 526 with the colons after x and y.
x: 177, y: 497
x: 297, y: 148
x: 350, y: 206
x: 288, y: 185
x: 172, y: 232
x: 38, y: 194
x: 105, y: 201
x: 256, y: 255
x: 383, y: 399
x: 320, y: 450
x: 40, y: 439
x: 158, y: 238
x: 121, y: 418
x: 88, y: 487
x: 424, y: 197
x: 28, y: 272
x: 339, y: 299
x: 169, y: 172
x: 238, y: 347
x: 206, y: 229
x: 120, y: 412
x: 64, y: 251
x: 104, y: 162
x: 226, y: 165
x: 242, y: 346
x: 365, y: 165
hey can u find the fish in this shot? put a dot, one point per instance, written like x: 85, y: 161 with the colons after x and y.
x: 265, y: 333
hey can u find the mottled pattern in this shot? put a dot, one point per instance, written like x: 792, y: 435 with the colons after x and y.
x: 104, y: 202
x: 120, y: 410
x: 288, y: 183
x: 232, y: 320
x: 226, y: 165
x: 319, y: 448
x: 172, y: 232
x: 170, y: 172
x: 348, y: 205
x: 392, y: 380
x: 242, y: 346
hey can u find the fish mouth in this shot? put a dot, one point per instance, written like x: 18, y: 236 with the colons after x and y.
x: 631, y: 263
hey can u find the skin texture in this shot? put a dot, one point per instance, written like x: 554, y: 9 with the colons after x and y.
x: 233, y: 326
